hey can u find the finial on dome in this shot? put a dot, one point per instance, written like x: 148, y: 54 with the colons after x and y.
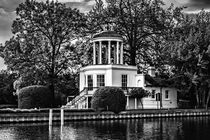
x: 105, y: 27
x: 108, y: 27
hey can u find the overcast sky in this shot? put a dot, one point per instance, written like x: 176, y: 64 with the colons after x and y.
x: 7, y: 12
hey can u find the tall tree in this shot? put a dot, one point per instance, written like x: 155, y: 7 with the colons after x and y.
x: 42, y: 44
x: 190, y: 55
x: 143, y: 24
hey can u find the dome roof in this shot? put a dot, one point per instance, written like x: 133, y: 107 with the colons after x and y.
x: 107, y: 34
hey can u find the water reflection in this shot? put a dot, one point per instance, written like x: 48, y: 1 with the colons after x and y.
x: 145, y: 129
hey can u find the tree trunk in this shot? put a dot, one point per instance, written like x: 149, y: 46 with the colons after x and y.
x: 161, y: 103
x: 197, y: 99
x: 207, y: 101
x: 142, y: 106
x: 52, y: 76
x: 53, y: 93
x: 132, y: 55
x: 203, y: 93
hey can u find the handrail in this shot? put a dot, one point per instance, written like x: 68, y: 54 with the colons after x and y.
x: 73, y: 101
x: 75, y: 95
x: 75, y: 90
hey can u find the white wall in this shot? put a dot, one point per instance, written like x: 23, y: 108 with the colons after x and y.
x: 140, y: 80
x: 171, y: 102
x: 81, y: 81
x: 112, y: 75
x: 117, y: 74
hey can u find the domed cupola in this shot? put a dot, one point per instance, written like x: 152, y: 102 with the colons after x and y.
x: 107, y: 48
x: 108, y: 34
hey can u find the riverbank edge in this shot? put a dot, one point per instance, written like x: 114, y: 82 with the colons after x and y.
x: 43, y: 115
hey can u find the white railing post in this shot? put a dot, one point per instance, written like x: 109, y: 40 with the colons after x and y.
x: 135, y: 103
x: 50, y: 116
x: 62, y: 116
x: 127, y: 102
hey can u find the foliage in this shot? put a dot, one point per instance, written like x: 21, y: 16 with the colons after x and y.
x: 108, y: 98
x: 139, y: 92
x: 34, y: 97
x: 41, y: 49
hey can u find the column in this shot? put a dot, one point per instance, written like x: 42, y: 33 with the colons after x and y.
x: 94, y: 53
x: 117, y: 52
x: 86, y: 81
x: 109, y: 52
x: 127, y: 102
x: 87, y: 102
x: 135, y: 101
x: 100, y: 54
x: 114, y: 53
x: 121, y: 53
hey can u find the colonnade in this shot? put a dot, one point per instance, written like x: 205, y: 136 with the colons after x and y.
x: 107, y: 52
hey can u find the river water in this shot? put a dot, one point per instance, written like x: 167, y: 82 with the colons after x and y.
x: 186, y: 128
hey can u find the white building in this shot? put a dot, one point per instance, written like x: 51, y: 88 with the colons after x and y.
x: 108, y: 69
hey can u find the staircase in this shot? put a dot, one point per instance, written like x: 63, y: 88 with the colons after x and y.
x: 73, y: 104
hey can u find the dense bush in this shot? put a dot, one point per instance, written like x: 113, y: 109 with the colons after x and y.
x: 34, y: 97
x: 109, y: 98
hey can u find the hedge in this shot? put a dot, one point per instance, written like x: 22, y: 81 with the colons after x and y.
x: 108, y: 98
x: 36, y: 96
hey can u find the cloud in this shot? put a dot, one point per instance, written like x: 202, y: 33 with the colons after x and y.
x: 196, y: 5
x: 9, y: 5
x: 72, y: 1
x: 82, y: 5
x: 6, y: 19
x: 193, y: 6
x: 7, y: 14
x: 2, y: 65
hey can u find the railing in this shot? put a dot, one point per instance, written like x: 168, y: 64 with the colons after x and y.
x: 128, y: 89
x: 74, y: 94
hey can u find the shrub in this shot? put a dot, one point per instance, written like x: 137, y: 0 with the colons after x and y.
x: 108, y: 98
x: 34, y: 97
